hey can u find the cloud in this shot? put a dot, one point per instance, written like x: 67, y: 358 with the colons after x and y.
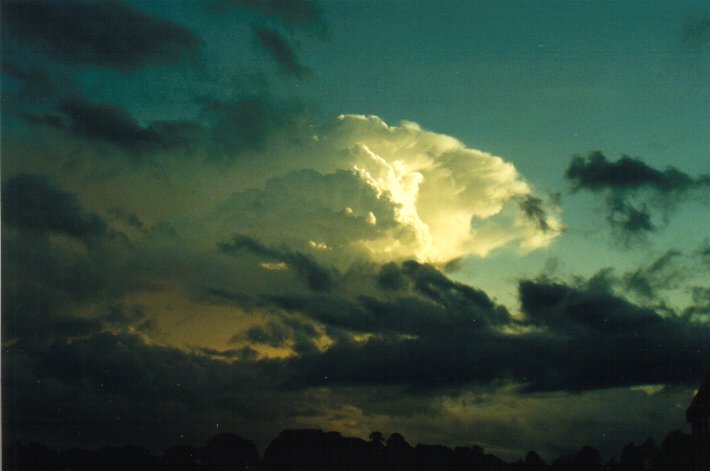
x: 534, y: 208
x: 380, y: 192
x: 106, y: 34
x: 638, y: 197
x: 252, y: 122
x: 220, y: 132
x: 596, y: 173
x: 437, y: 334
x: 115, y: 125
x: 36, y: 85
x: 33, y: 202
x: 600, y: 328
x: 352, y: 189
x: 122, y: 374
x: 664, y: 273
x: 317, y: 277
x: 280, y: 50
x: 148, y: 387
x: 62, y: 264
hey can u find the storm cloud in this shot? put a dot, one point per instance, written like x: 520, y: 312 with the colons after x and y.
x: 113, y: 124
x: 317, y: 277
x: 638, y: 197
x: 34, y: 202
x: 106, y: 34
x: 568, y: 341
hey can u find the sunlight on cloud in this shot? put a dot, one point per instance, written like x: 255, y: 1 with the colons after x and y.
x: 368, y: 190
x: 454, y: 200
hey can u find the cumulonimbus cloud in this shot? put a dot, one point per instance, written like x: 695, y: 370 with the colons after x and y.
x: 395, y: 192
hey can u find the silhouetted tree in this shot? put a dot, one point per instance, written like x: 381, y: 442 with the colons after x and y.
x: 230, y: 452
x: 31, y: 457
x: 397, y: 441
x: 586, y: 459
x: 376, y: 438
x: 183, y: 458
x: 315, y: 450
x: 532, y: 462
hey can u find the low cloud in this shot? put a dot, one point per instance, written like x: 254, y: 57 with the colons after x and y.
x: 568, y: 340
x: 105, y: 34
x: 115, y: 125
x: 35, y: 85
x: 221, y: 131
x: 596, y: 173
x: 34, y: 202
x: 317, y: 277
x: 639, y: 198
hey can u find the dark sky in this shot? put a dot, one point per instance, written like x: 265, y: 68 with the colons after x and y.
x: 467, y: 222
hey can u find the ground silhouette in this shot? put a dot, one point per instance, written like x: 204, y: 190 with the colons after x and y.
x: 316, y: 450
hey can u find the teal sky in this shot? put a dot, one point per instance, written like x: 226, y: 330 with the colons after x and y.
x: 358, y: 216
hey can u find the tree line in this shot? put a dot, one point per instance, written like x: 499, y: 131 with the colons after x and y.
x: 315, y: 450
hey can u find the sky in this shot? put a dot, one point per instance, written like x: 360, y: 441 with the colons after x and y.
x: 467, y: 222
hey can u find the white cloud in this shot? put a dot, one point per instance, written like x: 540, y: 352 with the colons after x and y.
x: 389, y: 192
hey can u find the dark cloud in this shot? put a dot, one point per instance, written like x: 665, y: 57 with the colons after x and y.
x: 423, y: 299
x: 33, y: 202
x: 609, y: 341
x: 317, y: 277
x: 431, y: 283
x: 662, y: 274
x: 638, y: 196
x: 223, y: 130
x: 631, y: 221
x: 269, y: 334
x: 573, y: 338
x: 594, y: 172
x: 38, y: 316
x: 107, y: 34
x: 115, y: 388
x: 35, y: 85
x: 425, y: 334
x: 57, y: 259
x: 279, y: 48
x: 288, y: 331
x: 250, y: 121
x: 114, y: 124
x: 534, y: 209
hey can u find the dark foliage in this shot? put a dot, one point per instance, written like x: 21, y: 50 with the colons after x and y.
x: 315, y: 450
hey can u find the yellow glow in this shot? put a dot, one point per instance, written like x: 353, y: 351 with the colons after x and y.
x: 274, y: 266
